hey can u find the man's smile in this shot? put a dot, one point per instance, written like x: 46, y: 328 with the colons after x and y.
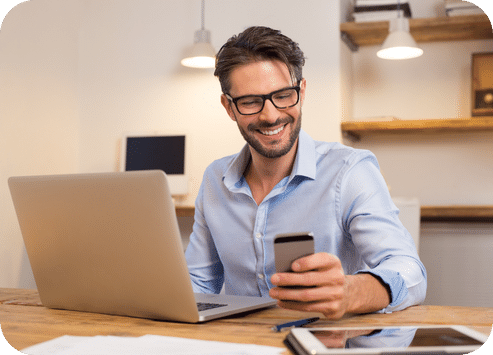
x: 271, y: 133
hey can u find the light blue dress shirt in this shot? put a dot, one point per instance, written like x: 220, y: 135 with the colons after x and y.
x: 335, y: 192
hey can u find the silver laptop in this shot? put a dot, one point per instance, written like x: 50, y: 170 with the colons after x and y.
x: 110, y: 243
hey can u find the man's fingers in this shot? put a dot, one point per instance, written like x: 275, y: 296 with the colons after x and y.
x: 316, y: 262
x: 308, y: 295
x: 331, y: 310
x: 330, y: 277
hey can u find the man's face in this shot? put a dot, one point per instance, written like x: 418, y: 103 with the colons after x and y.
x: 272, y: 132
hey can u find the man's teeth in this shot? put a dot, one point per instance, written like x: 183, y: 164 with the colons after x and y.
x: 271, y: 133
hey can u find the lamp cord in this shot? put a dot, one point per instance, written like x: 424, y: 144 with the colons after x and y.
x: 203, y: 14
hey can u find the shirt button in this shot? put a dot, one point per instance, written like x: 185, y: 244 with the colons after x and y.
x: 260, y: 276
x: 258, y: 235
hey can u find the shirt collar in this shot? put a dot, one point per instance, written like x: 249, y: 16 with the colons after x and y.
x: 233, y: 177
x: 305, y: 163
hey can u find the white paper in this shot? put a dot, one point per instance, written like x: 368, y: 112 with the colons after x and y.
x: 147, y: 344
x: 54, y: 346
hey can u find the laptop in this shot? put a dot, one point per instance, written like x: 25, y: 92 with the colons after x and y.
x: 110, y: 243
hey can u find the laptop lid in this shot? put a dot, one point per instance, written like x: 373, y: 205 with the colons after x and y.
x: 109, y: 243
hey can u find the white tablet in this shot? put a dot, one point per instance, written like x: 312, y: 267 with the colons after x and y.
x: 385, y: 340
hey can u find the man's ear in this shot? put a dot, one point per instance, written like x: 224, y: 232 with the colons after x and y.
x: 228, y: 106
x: 302, y: 91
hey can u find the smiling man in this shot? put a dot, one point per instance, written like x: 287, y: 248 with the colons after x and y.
x: 283, y: 181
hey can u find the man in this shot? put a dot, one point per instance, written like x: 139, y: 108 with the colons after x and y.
x: 282, y: 181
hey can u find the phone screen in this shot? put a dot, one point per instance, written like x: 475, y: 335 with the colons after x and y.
x: 289, y: 247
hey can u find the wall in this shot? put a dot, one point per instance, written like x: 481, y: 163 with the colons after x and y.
x: 438, y: 169
x: 458, y: 260
x: 39, y: 123
x: 431, y: 86
x: 131, y: 79
x: 80, y: 73
x: 435, y: 85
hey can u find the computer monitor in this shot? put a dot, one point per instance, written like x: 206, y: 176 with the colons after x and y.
x: 162, y: 152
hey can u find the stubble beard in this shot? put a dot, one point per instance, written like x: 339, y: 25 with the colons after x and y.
x: 274, y: 151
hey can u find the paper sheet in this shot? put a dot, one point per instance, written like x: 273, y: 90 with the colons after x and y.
x: 147, y: 344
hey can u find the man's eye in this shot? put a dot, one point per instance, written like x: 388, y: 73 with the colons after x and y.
x: 283, y: 96
x: 250, y: 102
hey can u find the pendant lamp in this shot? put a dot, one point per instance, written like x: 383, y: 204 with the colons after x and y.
x: 399, y: 44
x: 202, y: 54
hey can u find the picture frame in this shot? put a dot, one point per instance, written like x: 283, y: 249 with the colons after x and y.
x: 482, y: 84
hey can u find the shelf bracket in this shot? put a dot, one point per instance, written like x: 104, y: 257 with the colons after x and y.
x: 351, y: 136
x: 346, y: 38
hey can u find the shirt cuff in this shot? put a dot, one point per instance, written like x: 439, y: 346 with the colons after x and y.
x: 394, y: 281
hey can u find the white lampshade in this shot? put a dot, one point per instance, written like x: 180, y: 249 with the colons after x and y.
x: 202, y: 54
x: 399, y: 44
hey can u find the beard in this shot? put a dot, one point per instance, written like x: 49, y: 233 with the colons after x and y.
x: 275, y: 149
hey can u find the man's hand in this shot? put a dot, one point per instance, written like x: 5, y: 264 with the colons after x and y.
x: 321, y: 286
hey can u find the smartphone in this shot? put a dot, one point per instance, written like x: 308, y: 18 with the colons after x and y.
x: 290, y: 247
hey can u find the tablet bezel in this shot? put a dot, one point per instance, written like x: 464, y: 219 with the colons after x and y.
x: 312, y: 345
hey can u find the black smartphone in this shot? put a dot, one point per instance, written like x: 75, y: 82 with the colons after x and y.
x: 290, y: 247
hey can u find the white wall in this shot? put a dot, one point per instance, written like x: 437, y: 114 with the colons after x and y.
x: 458, y: 260
x: 131, y: 79
x: 437, y: 168
x: 39, y: 124
x: 79, y: 73
x: 439, y: 80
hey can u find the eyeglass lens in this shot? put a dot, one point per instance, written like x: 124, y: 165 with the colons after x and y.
x: 249, y: 105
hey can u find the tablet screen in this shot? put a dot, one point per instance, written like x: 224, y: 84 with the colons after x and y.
x: 393, y: 338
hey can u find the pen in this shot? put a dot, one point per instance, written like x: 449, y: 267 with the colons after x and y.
x: 296, y: 323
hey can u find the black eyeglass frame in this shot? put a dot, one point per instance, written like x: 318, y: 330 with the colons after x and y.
x: 235, y: 100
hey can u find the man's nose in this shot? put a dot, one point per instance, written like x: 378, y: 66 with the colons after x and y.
x: 269, y: 112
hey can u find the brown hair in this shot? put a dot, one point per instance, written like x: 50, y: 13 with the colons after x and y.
x: 257, y: 44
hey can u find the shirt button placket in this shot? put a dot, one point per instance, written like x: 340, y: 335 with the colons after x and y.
x: 260, y: 223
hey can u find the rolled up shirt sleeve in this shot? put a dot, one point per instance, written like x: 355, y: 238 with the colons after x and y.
x: 387, y: 248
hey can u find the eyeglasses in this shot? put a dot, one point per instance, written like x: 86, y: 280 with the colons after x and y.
x: 281, y: 99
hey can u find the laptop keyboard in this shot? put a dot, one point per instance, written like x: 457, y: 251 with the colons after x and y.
x: 202, y: 306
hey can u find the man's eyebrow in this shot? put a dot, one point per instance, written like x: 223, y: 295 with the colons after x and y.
x: 284, y: 88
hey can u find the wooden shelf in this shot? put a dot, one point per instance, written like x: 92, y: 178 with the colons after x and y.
x: 428, y: 213
x: 185, y: 211
x: 455, y: 28
x: 457, y: 214
x: 356, y: 129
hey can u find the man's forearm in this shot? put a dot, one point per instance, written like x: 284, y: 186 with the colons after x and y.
x: 366, y: 294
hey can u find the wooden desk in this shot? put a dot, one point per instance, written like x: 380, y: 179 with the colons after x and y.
x: 25, y: 322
